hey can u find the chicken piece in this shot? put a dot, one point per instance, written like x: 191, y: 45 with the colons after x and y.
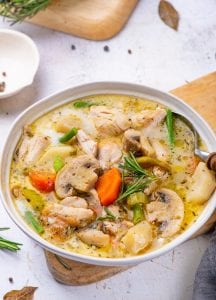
x: 147, y: 148
x: 109, y: 122
x: 32, y: 148
x: 161, y: 150
x: 138, y: 237
x: 109, y: 154
x: 167, y: 209
x: 110, y: 227
x: 203, y: 184
x: 75, y: 201
x: 160, y: 173
x: 94, y: 202
x: 151, y: 188
x: 73, y: 216
x: 148, y: 118
x: 79, y: 174
x: 65, y: 123
x: 94, y: 237
x: 37, y: 146
x: 88, y: 145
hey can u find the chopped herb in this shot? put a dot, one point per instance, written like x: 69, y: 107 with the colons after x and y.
x: 31, y: 220
x: 170, y: 127
x: 58, y: 163
x: 68, y: 135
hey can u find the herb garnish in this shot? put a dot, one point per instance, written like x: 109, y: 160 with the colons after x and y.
x: 109, y: 216
x: 170, y: 127
x: 8, y: 245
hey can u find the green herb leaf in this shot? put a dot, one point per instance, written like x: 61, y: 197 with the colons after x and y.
x: 58, y: 163
x: 136, y: 186
x: 31, y: 220
x: 83, y: 104
x: 132, y: 168
x: 68, y: 135
x: 170, y: 127
x: 109, y: 215
x: 18, y: 10
x: 8, y: 245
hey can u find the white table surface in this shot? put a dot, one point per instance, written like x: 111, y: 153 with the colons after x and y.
x: 161, y: 58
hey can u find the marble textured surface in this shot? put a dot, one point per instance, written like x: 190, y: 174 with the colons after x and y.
x: 161, y: 58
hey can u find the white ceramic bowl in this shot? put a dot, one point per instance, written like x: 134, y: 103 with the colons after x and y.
x: 19, y: 59
x: 70, y: 94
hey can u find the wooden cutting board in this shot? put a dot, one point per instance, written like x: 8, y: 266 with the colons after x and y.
x: 201, y: 95
x: 90, y: 19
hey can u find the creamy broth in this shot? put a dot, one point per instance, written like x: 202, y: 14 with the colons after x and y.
x: 70, y: 173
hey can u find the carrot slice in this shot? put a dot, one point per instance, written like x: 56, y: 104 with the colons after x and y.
x: 108, y: 186
x: 42, y: 181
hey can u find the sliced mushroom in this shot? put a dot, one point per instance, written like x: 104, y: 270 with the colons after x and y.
x: 75, y: 217
x: 131, y: 141
x: 135, y: 141
x: 75, y: 201
x: 88, y: 145
x: 203, y: 184
x: 148, y: 118
x: 65, y: 123
x: 79, y: 174
x: 94, y: 237
x: 138, y: 237
x: 167, y: 209
x: 109, y: 154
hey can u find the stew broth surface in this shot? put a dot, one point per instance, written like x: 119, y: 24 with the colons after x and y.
x: 59, y: 184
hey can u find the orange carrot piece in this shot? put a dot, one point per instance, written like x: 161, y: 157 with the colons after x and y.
x: 108, y: 186
x: 42, y: 181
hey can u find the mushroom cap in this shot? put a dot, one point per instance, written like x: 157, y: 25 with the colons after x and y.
x: 80, y: 174
x: 166, y: 209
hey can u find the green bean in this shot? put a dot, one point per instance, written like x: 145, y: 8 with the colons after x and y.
x: 31, y: 220
x: 68, y: 135
x: 170, y: 127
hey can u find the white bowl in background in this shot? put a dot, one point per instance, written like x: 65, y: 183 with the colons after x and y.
x: 63, y: 97
x: 19, y: 60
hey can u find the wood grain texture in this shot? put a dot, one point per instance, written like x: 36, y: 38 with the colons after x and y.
x: 201, y: 95
x: 90, y: 19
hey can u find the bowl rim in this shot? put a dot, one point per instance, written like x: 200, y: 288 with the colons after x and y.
x: 35, y: 54
x: 92, y: 89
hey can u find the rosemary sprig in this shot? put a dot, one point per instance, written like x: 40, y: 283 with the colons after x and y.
x: 132, y: 167
x: 136, y: 186
x: 18, y: 10
x: 8, y: 245
x: 109, y: 216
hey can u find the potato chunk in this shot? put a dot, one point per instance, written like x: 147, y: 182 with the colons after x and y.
x: 203, y: 184
x: 138, y: 237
